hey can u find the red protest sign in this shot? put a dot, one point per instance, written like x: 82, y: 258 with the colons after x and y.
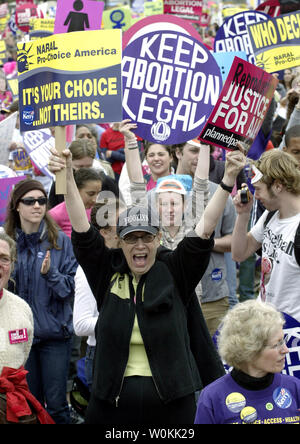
x: 189, y: 9
x: 270, y: 7
x: 23, y: 14
x: 241, y: 107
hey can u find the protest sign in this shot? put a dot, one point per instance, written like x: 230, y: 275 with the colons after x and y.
x: 23, y: 14
x: 4, y: 11
x: 6, y: 185
x: 170, y: 85
x: 276, y: 42
x: 233, y: 34
x: 185, y: 9
x: 7, y: 127
x: 42, y: 24
x: 153, y: 8
x: 70, y: 78
x: 78, y: 15
x: 40, y: 28
x: 225, y: 59
x: 158, y: 23
x: 13, y: 87
x: 270, y: 7
x: 117, y: 18
x: 3, y: 55
x: 241, y: 107
x: 37, y: 145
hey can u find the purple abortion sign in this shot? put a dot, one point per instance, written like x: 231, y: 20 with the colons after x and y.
x: 171, y: 83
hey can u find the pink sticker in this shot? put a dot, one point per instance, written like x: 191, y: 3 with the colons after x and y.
x: 17, y: 336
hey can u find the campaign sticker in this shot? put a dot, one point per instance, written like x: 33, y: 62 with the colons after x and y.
x: 216, y: 274
x: 17, y: 336
x: 282, y: 397
x: 248, y: 414
x: 269, y: 406
x: 28, y: 115
x: 235, y: 402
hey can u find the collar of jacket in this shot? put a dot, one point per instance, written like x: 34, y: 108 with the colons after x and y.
x: 29, y: 241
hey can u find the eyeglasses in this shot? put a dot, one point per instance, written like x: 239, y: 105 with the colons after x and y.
x: 5, y: 260
x: 30, y: 201
x: 279, y: 344
x: 132, y: 238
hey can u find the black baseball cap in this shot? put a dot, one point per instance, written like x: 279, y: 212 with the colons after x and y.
x: 137, y: 218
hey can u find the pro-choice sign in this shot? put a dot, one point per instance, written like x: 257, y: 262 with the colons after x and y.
x: 276, y: 42
x: 70, y: 78
x: 171, y: 83
x: 233, y: 34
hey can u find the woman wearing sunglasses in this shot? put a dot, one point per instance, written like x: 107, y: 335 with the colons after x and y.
x: 44, y: 277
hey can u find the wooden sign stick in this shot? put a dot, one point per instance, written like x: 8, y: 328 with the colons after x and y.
x: 60, y: 145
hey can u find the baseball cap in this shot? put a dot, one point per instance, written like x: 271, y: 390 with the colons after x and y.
x: 177, y: 183
x: 137, y: 218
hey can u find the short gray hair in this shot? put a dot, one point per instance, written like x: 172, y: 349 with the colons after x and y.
x: 246, y: 330
x: 11, y: 243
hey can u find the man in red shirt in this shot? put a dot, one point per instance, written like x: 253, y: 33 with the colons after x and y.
x: 112, y: 146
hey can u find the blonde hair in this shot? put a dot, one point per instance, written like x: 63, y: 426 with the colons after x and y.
x: 280, y: 166
x: 82, y: 148
x: 246, y: 330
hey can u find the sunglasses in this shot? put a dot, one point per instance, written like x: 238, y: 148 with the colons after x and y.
x: 30, y: 201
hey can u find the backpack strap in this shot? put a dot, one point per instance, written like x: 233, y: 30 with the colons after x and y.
x: 269, y: 217
x: 267, y: 220
x: 297, y: 245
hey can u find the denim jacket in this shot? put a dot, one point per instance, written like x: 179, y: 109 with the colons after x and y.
x: 49, y: 295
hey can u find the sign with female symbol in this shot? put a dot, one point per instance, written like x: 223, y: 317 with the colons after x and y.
x: 117, y: 18
x: 78, y: 15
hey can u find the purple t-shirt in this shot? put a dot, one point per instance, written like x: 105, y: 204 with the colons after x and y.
x: 226, y: 402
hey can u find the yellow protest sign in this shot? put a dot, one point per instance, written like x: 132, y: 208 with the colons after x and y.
x: 275, y: 42
x: 41, y: 24
x: 14, y: 87
x: 2, y: 49
x: 70, y: 78
x: 153, y: 8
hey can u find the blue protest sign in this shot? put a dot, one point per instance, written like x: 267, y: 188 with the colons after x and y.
x: 233, y: 34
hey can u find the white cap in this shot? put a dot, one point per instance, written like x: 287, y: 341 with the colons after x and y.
x: 194, y: 142
x: 257, y: 175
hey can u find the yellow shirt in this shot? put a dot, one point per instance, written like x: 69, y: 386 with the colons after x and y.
x: 138, y: 364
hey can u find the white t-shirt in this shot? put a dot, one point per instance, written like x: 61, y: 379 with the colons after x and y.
x: 280, y: 273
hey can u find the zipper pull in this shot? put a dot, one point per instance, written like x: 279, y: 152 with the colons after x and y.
x: 117, y: 400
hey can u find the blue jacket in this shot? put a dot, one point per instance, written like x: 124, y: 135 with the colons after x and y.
x: 50, y: 295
